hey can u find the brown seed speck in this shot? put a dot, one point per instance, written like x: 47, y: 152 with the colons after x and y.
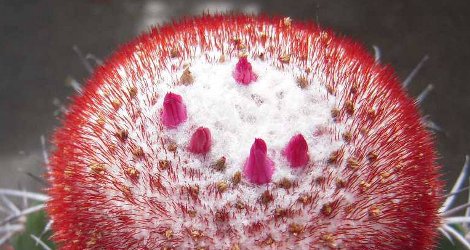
x: 372, y: 156
x: 331, y: 90
x: 305, y: 199
x: 172, y: 147
x: 132, y: 172
x: 374, y: 211
x: 263, y: 35
x: 295, y: 229
x: 335, y: 157
x: 138, y: 152
x: 280, y: 213
x: 222, y: 186
x: 302, y: 82
x: 285, y: 183
x: 363, y: 186
x: 237, y: 177
x: 347, y: 136
x: 268, y: 241
x: 354, y: 89
x: 126, y: 191
x: 164, y: 164
x: 196, y: 234
x: 335, y: 113
x: 132, y: 92
x: 122, y: 135
x: 284, y: 58
x: 169, y: 234
x: 221, y: 216
x: 364, y: 131
x: 219, y: 165
x: 352, y: 163
x: 192, y: 213
x: 384, y: 176
x: 186, y: 78
x: 240, y: 205
x: 174, y: 52
x: 287, y: 21
x: 340, y: 183
x: 222, y: 58
x: 327, y: 209
x: 101, y: 121
x: 193, y: 191
x: 324, y: 35
x: 116, y: 104
x: 236, y: 41
x: 98, y: 168
x: 371, y: 113
x: 266, y: 197
x: 349, y: 106
x: 329, y: 240
x: 348, y: 208
x: 235, y: 246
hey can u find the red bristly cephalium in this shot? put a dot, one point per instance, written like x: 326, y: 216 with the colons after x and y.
x: 119, y: 180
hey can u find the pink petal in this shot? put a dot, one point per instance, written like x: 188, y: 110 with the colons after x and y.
x: 243, y: 72
x: 201, y: 141
x: 174, y: 111
x: 258, y: 167
x: 296, y: 151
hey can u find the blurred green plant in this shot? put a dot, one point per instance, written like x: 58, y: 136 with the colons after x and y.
x: 35, y: 233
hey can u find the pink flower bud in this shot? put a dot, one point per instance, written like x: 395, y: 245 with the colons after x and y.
x: 296, y: 151
x: 174, y: 111
x: 243, y: 72
x: 201, y: 141
x: 258, y: 167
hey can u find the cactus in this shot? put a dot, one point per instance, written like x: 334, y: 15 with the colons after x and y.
x: 243, y: 132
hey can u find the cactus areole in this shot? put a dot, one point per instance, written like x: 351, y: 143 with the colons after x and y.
x: 243, y: 132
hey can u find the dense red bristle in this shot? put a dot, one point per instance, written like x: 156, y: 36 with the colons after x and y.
x: 115, y: 184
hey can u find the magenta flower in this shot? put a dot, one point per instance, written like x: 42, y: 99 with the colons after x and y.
x: 258, y: 167
x: 201, y: 141
x: 243, y: 72
x: 174, y: 110
x: 296, y: 151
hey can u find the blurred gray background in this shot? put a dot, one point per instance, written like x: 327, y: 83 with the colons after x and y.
x: 37, y: 59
